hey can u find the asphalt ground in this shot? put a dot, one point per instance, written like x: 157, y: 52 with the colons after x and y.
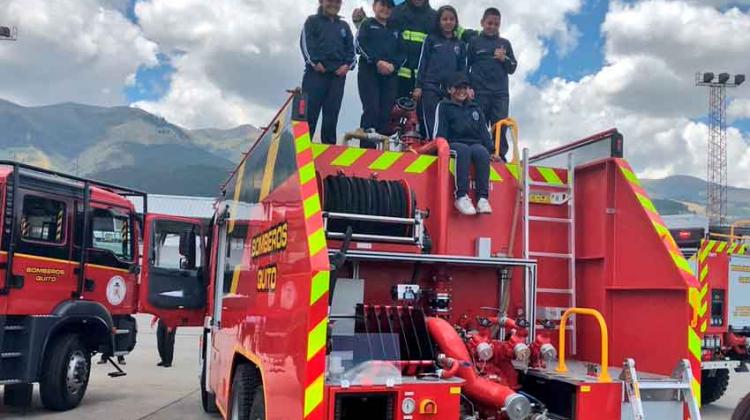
x: 149, y: 392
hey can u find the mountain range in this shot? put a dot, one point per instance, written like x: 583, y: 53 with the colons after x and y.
x: 134, y: 148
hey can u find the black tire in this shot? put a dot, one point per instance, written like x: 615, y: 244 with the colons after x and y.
x: 244, y: 394
x: 742, y: 412
x: 208, y: 399
x: 58, y: 392
x: 714, y: 384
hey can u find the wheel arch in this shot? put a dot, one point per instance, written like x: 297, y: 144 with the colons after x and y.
x: 244, y: 357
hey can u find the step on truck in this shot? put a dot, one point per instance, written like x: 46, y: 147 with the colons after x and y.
x: 344, y: 285
x: 70, y: 279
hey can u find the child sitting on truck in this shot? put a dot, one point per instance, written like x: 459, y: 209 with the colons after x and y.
x: 461, y: 122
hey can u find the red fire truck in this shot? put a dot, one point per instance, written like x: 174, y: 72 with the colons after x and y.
x: 342, y: 284
x: 69, y: 279
x: 720, y: 257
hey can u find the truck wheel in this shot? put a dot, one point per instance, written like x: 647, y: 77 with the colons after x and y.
x: 714, y: 384
x: 208, y: 399
x: 742, y: 412
x: 66, y: 367
x: 245, y: 388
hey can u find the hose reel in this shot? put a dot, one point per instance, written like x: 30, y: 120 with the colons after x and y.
x: 345, y: 198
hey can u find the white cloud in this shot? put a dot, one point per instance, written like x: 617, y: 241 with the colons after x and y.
x: 739, y: 109
x: 70, y: 50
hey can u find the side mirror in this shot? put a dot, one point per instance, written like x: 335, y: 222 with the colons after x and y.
x: 188, y: 249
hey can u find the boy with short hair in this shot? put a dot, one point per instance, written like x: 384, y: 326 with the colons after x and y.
x: 461, y: 122
x: 380, y: 59
x: 327, y: 45
x: 490, y: 61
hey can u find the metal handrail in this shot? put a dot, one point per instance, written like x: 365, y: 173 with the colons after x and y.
x: 561, y: 367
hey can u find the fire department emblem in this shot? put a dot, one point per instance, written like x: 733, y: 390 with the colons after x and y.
x: 116, y: 290
x: 457, y: 49
x: 475, y: 115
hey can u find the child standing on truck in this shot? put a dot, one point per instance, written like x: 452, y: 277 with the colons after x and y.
x: 380, y: 59
x: 327, y: 45
x: 461, y: 122
x: 490, y: 61
x: 443, y: 54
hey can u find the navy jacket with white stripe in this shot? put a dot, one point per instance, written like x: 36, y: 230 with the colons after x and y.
x: 328, y: 41
x: 462, y: 123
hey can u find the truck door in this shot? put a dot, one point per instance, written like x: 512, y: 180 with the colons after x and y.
x: 174, y: 276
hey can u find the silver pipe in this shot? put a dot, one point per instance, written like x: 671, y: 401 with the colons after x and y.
x: 370, y: 218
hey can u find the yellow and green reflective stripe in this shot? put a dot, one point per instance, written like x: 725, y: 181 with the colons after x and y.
x: 421, y: 164
x: 311, y: 205
x: 630, y: 176
x: 704, y: 273
x: 550, y: 176
x: 404, y: 72
x: 306, y: 173
x: 646, y: 203
x: 314, y: 395
x: 662, y: 230
x: 385, y: 161
x: 317, y: 241
x: 706, y: 250
x: 704, y: 326
x: 318, y: 149
x: 349, y: 157
x: 681, y: 262
x: 414, y: 36
x: 303, y: 143
x: 720, y: 247
x: 320, y: 285
x: 494, y: 175
x: 696, y: 386
x: 316, y: 339
x: 514, y: 170
x: 732, y: 248
x: 694, y: 343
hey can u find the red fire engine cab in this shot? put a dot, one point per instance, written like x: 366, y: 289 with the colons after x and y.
x: 721, y: 260
x: 69, y: 279
x: 343, y: 285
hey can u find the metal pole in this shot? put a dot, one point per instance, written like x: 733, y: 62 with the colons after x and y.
x: 572, y: 247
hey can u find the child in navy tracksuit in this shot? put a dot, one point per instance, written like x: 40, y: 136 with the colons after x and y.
x: 327, y: 45
x: 443, y: 54
x: 461, y: 122
x: 381, y: 57
x: 491, y: 60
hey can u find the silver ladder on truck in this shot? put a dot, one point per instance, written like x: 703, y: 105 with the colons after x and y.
x: 559, y: 194
x: 658, y: 398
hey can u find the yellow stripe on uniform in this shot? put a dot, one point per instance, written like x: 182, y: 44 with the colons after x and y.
x: 414, y: 36
x: 550, y: 176
x: 314, y: 395
x: 348, y: 157
x: 421, y: 164
x: 320, y: 285
x: 404, y: 72
x: 316, y: 339
x: 311, y: 205
x: 385, y: 161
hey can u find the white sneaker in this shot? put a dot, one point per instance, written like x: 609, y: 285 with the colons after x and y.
x: 483, y: 206
x: 465, y: 206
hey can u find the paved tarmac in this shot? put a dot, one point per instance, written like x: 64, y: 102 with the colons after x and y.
x: 149, y: 392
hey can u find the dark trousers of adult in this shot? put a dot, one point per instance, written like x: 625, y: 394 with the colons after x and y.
x: 165, y: 343
x: 495, y: 108
x: 405, y: 86
x: 466, y: 154
x: 431, y: 97
x: 325, y: 91
x: 378, y: 95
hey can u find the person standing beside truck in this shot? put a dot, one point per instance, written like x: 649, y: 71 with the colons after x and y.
x: 443, y: 54
x: 380, y: 60
x: 490, y: 61
x: 414, y: 19
x: 461, y: 122
x: 327, y: 46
